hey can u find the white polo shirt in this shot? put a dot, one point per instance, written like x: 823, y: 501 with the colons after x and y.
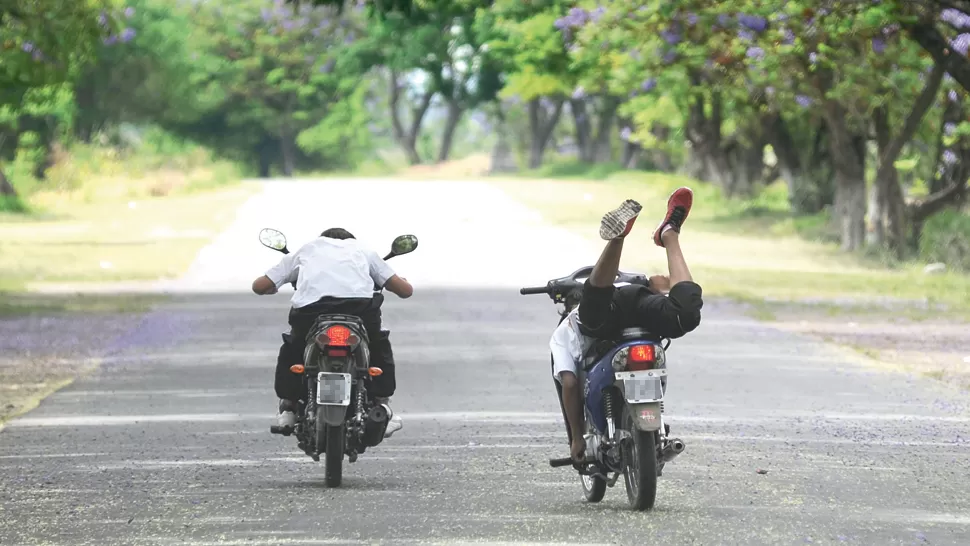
x: 338, y: 268
x: 568, y: 345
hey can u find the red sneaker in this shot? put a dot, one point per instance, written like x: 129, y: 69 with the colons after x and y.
x: 678, y: 207
x: 618, y: 222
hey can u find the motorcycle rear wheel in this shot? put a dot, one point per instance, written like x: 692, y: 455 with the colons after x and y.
x: 334, y: 438
x: 640, y: 472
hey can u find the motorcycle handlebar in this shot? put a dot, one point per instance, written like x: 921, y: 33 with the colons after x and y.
x: 534, y: 290
x: 565, y: 461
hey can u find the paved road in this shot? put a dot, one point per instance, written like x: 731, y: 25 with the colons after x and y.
x: 167, y: 443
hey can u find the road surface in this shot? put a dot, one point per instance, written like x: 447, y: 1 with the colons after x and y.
x: 168, y: 442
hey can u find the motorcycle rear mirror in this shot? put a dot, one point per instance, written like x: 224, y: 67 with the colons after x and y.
x: 404, y: 244
x: 273, y: 239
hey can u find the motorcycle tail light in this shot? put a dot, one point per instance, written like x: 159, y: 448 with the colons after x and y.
x: 635, y: 358
x: 337, y: 336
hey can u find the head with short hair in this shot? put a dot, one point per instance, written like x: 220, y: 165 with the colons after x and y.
x: 337, y: 233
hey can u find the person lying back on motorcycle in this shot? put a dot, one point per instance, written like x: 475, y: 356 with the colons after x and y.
x: 334, y: 274
x: 670, y: 307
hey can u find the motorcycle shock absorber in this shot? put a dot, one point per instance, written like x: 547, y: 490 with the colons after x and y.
x: 608, y: 410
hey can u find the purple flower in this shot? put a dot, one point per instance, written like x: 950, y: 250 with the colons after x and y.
x: 949, y: 129
x: 648, y: 85
x: 724, y: 20
x: 949, y: 157
x: 955, y: 18
x: 110, y: 40
x: 266, y: 15
x: 328, y: 67
x: 753, y: 22
x: 952, y: 95
x: 879, y: 45
x: 127, y: 34
x: 37, y: 55
x: 103, y: 19
x: 789, y: 37
x: 579, y: 92
x: 961, y: 43
x: 27, y: 47
x: 670, y: 56
x: 561, y: 24
x: 803, y: 101
x: 770, y: 91
x: 626, y: 133
x: 756, y: 53
x: 691, y: 19
x: 129, y: 12
x: 813, y: 57
x: 671, y: 36
x: 597, y: 14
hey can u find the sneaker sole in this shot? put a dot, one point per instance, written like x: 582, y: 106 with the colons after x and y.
x: 615, y: 222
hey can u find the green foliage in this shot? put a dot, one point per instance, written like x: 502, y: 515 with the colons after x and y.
x: 946, y: 238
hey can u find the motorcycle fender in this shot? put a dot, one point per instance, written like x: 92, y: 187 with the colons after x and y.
x: 646, y: 417
x: 334, y: 415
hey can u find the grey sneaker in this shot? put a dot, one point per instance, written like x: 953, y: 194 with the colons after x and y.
x: 286, y: 416
x: 393, y: 425
x: 618, y: 222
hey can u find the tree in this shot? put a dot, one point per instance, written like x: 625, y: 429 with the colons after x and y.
x: 282, y: 71
x: 45, y: 43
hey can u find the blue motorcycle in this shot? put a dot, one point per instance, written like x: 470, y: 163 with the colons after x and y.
x: 624, y: 381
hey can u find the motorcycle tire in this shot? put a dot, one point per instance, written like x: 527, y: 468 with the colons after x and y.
x: 640, y: 472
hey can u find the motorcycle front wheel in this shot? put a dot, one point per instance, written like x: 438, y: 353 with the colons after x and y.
x: 640, y: 472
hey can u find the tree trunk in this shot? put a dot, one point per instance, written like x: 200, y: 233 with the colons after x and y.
x: 540, y: 128
x: 790, y: 166
x: 659, y: 158
x: 850, y: 183
x: 747, y: 169
x: 584, y: 130
x: 6, y: 188
x: 602, y: 149
x: 451, y: 123
x: 288, y: 152
x: 264, y: 156
x: 631, y: 155
x: 407, y: 138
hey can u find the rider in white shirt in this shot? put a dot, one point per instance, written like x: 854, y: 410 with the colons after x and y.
x: 334, y: 274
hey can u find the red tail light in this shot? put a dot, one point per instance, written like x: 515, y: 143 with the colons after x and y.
x: 642, y: 357
x: 642, y: 353
x: 337, y: 336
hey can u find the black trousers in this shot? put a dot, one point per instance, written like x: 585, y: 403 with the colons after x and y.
x: 289, y: 385
x: 605, y: 311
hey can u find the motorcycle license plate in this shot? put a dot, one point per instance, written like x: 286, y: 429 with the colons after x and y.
x: 642, y: 388
x: 333, y: 389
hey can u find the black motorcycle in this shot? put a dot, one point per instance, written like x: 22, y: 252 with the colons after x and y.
x: 336, y: 416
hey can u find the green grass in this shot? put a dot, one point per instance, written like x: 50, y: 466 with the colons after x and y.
x: 71, y: 239
x: 750, y: 250
x: 21, y: 304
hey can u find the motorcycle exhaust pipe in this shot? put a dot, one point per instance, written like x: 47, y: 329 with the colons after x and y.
x: 379, y: 413
x: 673, y: 448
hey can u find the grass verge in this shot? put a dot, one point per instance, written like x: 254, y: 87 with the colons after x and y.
x: 751, y: 251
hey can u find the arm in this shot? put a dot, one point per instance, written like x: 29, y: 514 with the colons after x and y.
x: 385, y: 277
x: 277, y: 276
x: 263, y: 286
x: 401, y: 287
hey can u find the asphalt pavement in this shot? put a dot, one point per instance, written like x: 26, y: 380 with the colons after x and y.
x: 168, y: 442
